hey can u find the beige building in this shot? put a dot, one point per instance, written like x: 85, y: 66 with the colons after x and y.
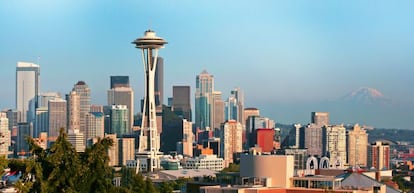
x: 113, y: 151
x: 73, y: 102
x: 357, y: 146
x: 123, y: 96
x: 277, y: 169
x: 231, y: 140
x: 95, y: 125
x: 82, y: 89
x: 57, y: 117
x: 320, y: 118
x: 126, y: 150
x: 76, y: 138
x: 4, y: 135
x: 188, y: 138
x: 217, y: 110
x: 250, y: 112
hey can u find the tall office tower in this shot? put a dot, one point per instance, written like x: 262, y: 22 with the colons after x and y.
x: 181, y: 104
x: 188, y: 138
x: 256, y: 122
x: 148, y: 156
x: 27, y: 90
x: 119, y: 120
x: 379, y: 155
x: 76, y: 138
x: 95, y: 125
x: 217, y: 110
x: 113, y: 151
x: 23, y: 130
x: 14, y: 117
x: 320, y: 118
x: 231, y: 140
x: 313, y: 138
x: 82, y: 89
x: 42, y: 121
x: 5, y: 140
x: 119, y: 81
x: 57, y: 117
x: 159, y: 82
x: 204, y: 89
x: 123, y: 96
x: 45, y: 97
x: 126, y: 150
x: 236, y: 106
x: 357, y: 143
x: 73, y: 111
x: 335, y: 142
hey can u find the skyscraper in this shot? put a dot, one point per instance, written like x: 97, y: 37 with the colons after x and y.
x: 45, y: 97
x: 42, y: 121
x: 27, y: 90
x: 119, y: 81
x: 159, y: 82
x: 73, y: 108
x: 204, y: 89
x: 357, y: 143
x: 119, y: 120
x: 181, y: 104
x: 320, y: 118
x: 335, y: 142
x: 313, y: 138
x: 123, y: 96
x: 82, y: 89
x: 57, y: 117
x: 217, y: 110
x: 231, y: 140
x: 148, y: 156
x: 95, y: 125
x: 236, y: 110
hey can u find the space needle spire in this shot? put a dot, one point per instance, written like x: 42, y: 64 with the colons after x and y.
x: 149, y: 142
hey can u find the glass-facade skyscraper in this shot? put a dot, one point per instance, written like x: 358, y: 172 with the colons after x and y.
x: 27, y: 90
x: 204, y: 90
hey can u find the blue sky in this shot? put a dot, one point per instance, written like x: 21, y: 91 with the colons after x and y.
x: 278, y: 52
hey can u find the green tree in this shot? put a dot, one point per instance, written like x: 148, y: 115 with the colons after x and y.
x: 98, y: 174
x: 66, y: 166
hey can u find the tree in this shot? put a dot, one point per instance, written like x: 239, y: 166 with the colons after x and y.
x: 98, y: 174
x: 66, y: 166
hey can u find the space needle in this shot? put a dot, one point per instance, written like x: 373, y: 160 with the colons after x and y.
x: 149, y: 141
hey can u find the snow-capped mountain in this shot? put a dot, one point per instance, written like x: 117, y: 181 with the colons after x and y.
x: 366, y: 96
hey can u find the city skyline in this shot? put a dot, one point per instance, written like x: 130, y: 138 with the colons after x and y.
x: 309, y: 51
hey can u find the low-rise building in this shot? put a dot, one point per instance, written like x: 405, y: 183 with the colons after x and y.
x: 210, y: 162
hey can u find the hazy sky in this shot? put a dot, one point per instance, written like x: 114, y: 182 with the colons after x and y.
x: 276, y: 51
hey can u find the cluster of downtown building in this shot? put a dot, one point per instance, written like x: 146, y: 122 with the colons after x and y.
x: 221, y: 131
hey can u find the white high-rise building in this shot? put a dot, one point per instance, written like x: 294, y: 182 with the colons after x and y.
x: 27, y: 90
x: 231, y: 140
x: 76, y: 138
x: 357, y: 146
x: 5, y: 140
x: 336, y: 142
